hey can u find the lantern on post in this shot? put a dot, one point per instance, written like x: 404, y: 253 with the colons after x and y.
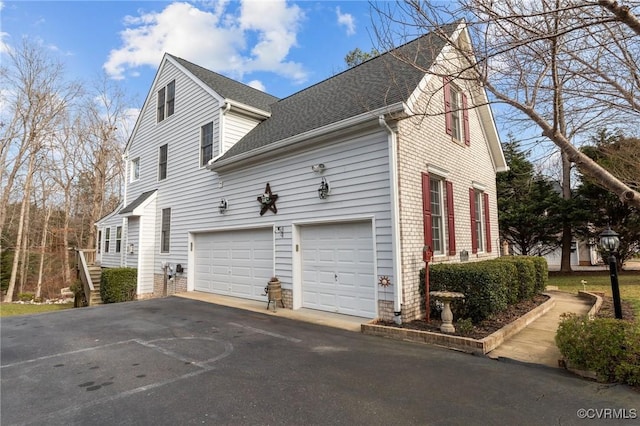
x: 610, y: 241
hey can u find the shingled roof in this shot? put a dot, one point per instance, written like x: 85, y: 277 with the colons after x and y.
x: 228, y: 88
x: 376, y: 83
x: 137, y: 202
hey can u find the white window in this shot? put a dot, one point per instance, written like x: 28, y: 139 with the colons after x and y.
x: 479, y: 220
x: 206, y: 143
x: 166, y: 101
x: 118, y: 239
x: 165, y: 231
x: 135, y: 169
x: 437, y: 221
x: 163, y: 157
x: 456, y: 112
x: 107, y: 239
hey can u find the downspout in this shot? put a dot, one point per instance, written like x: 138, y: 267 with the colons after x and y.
x: 223, y: 113
x: 124, y: 238
x: 395, y: 218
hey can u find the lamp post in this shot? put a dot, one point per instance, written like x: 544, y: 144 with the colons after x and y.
x: 609, y: 241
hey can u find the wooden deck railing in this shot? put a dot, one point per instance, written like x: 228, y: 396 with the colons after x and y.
x: 83, y: 271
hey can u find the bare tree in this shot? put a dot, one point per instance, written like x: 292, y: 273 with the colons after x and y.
x: 104, y: 113
x: 39, y: 97
x: 562, y: 67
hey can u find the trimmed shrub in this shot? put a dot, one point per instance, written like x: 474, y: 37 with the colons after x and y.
x: 118, y: 284
x: 484, y: 284
x: 523, y: 284
x: 542, y: 273
x: 606, y: 346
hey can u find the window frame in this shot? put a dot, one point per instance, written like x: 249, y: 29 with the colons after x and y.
x: 437, y: 218
x: 107, y: 239
x: 161, y: 104
x: 163, y: 161
x: 135, y: 169
x: 204, y: 159
x: 456, y: 112
x: 166, y: 98
x: 165, y: 230
x: 479, y: 220
x: 456, y: 117
x: 118, y: 239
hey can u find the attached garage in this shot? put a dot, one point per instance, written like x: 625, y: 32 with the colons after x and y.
x: 234, y: 263
x: 338, y: 271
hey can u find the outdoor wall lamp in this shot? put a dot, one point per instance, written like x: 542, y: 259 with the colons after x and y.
x: 130, y: 248
x: 323, y: 190
x: 318, y: 167
x: 222, y: 206
x: 610, y: 241
x: 280, y: 230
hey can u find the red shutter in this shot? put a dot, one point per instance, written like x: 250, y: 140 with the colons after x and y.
x: 487, y: 221
x: 451, y: 223
x: 448, y: 119
x: 426, y: 210
x: 465, y: 119
x: 472, y: 209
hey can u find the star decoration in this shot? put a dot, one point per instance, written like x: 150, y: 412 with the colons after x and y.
x: 268, y: 201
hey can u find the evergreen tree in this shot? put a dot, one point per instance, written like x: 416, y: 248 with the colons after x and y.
x: 603, y: 208
x: 530, y: 208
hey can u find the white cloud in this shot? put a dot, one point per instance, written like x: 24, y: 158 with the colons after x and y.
x: 347, y: 20
x: 4, y: 46
x: 217, y: 38
x: 257, y: 84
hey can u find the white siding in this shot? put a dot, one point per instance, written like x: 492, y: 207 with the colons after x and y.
x: 358, y: 174
x: 133, y: 237
x: 235, y: 127
x: 149, y: 246
x: 194, y: 107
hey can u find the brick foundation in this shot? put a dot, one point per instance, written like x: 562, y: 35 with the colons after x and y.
x: 177, y: 284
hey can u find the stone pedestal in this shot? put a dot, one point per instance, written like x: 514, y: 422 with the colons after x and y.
x: 446, y: 297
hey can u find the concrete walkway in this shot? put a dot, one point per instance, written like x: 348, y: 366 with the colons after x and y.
x: 536, y: 343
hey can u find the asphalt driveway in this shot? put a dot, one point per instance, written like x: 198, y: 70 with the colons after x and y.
x: 176, y: 361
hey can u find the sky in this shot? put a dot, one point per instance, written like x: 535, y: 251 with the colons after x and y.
x: 277, y: 46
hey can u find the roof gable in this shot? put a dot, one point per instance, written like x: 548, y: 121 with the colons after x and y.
x: 379, y: 82
x: 227, y: 88
x: 130, y: 210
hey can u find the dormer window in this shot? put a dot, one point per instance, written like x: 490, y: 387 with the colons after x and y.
x: 166, y: 101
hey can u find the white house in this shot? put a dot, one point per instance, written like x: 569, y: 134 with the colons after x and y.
x: 335, y: 189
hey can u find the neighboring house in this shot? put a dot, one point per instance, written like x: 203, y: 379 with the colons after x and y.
x: 583, y: 253
x: 335, y: 190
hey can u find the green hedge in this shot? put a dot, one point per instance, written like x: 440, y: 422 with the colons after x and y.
x: 489, y: 286
x: 484, y: 284
x: 523, y: 284
x: 118, y: 284
x: 609, y: 347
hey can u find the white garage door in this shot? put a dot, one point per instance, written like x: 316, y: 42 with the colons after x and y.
x: 234, y: 263
x: 338, y: 269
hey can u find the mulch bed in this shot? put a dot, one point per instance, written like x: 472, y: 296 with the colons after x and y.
x: 513, y: 312
x: 481, y: 330
x: 607, y: 310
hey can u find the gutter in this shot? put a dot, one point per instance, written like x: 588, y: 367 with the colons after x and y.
x: 270, y: 149
x: 395, y: 218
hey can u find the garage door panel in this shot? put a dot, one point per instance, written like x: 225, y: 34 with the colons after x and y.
x: 240, y: 263
x: 338, y: 268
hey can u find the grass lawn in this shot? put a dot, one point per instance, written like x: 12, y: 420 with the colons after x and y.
x: 629, y: 283
x: 11, y: 309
